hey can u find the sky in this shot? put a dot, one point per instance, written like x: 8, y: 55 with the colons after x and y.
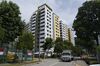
x: 65, y: 9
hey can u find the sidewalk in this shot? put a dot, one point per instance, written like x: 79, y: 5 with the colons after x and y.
x: 20, y: 64
x: 80, y: 63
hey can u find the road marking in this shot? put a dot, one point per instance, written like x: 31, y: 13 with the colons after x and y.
x: 77, y: 65
x: 54, y: 64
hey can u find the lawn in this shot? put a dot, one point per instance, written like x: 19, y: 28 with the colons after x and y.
x: 11, y: 64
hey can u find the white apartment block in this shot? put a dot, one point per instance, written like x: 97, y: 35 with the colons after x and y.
x: 66, y: 33
x: 41, y: 24
x: 63, y: 31
x: 44, y: 23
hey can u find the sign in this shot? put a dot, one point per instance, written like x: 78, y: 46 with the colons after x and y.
x: 29, y: 53
x: 1, y: 53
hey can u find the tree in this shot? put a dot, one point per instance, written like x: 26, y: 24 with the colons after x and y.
x: 10, y: 21
x: 1, y: 35
x: 77, y: 51
x: 89, y: 45
x: 98, y: 53
x: 87, y: 22
x: 67, y: 45
x: 26, y: 41
x: 48, y: 44
x: 58, y: 46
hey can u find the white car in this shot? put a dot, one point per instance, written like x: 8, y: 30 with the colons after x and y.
x: 66, y: 56
x: 95, y: 65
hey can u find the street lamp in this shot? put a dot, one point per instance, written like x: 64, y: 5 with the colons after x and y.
x: 39, y: 52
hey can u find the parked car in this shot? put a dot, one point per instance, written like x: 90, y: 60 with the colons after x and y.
x: 95, y: 65
x: 11, y: 57
x: 66, y: 55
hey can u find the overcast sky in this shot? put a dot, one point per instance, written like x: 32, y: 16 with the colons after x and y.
x: 65, y: 9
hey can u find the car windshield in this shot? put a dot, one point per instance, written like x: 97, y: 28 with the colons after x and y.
x: 65, y: 53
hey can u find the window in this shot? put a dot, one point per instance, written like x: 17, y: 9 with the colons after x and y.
x: 47, y: 34
x: 42, y: 30
x: 47, y: 30
x: 42, y: 18
x: 47, y: 19
x: 42, y: 38
x: 42, y: 34
x: 34, y: 14
x: 47, y: 26
x: 42, y: 42
x: 42, y: 26
x: 47, y: 23
x: 42, y: 9
x: 33, y: 26
x: 42, y: 15
x: 47, y: 13
x: 33, y: 29
x: 42, y: 22
x: 42, y: 12
x: 50, y: 31
x: 50, y: 24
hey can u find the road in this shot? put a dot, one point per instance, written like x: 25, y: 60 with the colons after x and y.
x: 56, y: 62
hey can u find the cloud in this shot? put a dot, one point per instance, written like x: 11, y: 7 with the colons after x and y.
x: 66, y: 9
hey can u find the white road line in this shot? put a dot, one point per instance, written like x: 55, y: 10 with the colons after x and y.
x: 54, y: 64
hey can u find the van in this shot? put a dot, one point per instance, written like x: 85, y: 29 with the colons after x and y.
x: 66, y: 55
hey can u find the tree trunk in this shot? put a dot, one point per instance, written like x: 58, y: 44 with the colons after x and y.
x: 44, y: 54
x: 97, y: 53
x: 97, y: 41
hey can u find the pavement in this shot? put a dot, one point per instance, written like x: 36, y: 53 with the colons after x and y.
x: 56, y: 62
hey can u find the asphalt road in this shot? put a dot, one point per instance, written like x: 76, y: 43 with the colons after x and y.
x: 56, y: 62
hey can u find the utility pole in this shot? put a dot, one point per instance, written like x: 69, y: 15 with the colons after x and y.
x: 39, y: 52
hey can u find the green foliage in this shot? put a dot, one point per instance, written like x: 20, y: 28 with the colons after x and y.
x: 58, y: 45
x: 26, y: 41
x: 61, y: 45
x: 67, y: 45
x: 87, y: 22
x: 89, y: 45
x: 98, y: 49
x: 10, y: 21
x: 77, y: 51
x: 1, y: 33
x: 48, y: 44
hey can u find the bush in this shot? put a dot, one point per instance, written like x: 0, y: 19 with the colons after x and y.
x: 98, y: 49
x: 98, y: 54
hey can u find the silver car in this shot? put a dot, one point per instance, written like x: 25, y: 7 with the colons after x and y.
x: 66, y: 57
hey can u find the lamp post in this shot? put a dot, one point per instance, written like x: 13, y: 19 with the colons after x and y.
x: 39, y: 52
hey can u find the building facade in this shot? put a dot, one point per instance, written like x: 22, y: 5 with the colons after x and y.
x: 44, y: 23
x: 63, y: 31
x: 56, y: 26
x: 71, y: 36
x: 41, y: 24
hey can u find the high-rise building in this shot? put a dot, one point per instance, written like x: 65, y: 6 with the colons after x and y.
x: 44, y: 23
x: 71, y: 36
x: 56, y: 26
x: 63, y: 31
x: 41, y: 24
